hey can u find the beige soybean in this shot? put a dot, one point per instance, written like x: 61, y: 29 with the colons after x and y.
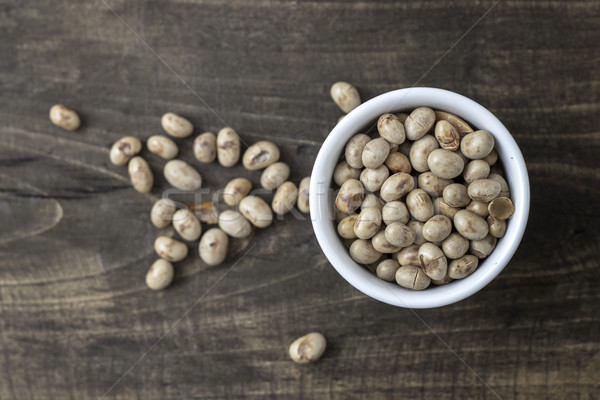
x: 462, y: 267
x: 182, y: 175
x: 308, y: 348
x: 478, y: 207
x: 235, y: 190
x: 409, y: 255
x: 275, y: 174
x: 433, y: 261
x: 140, y: 174
x: 257, y: 211
x: 176, y: 126
x: 187, y: 225
x: 470, y: 225
x: 339, y: 215
x: 345, y: 227
x: 260, y: 155
x: 354, y: 149
x: 213, y: 246
x: 64, y: 117
x: 391, y: 128
x: 445, y: 163
x: 368, y: 223
x: 382, y: 245
x: 350, y: 196
x: 419, y: 205
x: 205, y: 211
x: 501, y: 208
x: 162, y: 212
x: 443, y: 208
x: 205, y: 147
x: 228, y: 147
x: 420, y: 150
x: 476, y: 169
x: 504, y: 189
x: 395, y: 211
x: 417, y: 227
x: 399, y: 234
x: 484, y: 190
x: 386, y: 270
x: 437, y: 228
x: 162, y: 146
x: 445, y: 280
x: 432, y: 184
x: 397, y: 186
x: 371, y: 200
x: 303, y: 195
x: 170, y: 249
x: 375, y: 153
x: 496, y: 226
x: 123, y: 149
x: 363, y: 252
x: 477, y: 145
x: 455, y: 246
x: 461, y: 126
x: 412, y: 277
x: 456, y: 195
x: 345, y: 96
x: 372, y: 179
x: 447, y: 135
x: 398, y: 162
x: 419, y: 122
x: 285, y: 198
x: 342, y: 172
x: 491, y: 158
x: 160, y: 275
x: 484, y: 247
x: 234, y: 224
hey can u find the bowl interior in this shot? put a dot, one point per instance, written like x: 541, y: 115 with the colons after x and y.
x: 322, y: 197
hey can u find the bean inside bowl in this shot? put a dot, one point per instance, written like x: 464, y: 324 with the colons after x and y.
x: 322, y: 197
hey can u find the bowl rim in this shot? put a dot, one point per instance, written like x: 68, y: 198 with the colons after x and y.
x: 321, y: 206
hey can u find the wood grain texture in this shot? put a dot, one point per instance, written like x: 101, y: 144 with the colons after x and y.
x: 76, y: 241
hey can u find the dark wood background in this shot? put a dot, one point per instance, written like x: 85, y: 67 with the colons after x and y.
x: 76, y: 241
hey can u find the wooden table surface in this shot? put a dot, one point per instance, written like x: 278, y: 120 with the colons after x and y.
x: 77, y: 320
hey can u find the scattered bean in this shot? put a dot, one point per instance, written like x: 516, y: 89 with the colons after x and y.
x: 363, y: 252
x: 484, y: 190
x: 162, y: 212
x: 303, y: 195
x: 391, y: 128
x: 395, y: 211
x: 234, y: 224
x: 455, y: 246
x: 170, y: 249
x: 397, y: 186
x: 420, y: 150
x: 419, y: 122
x: 260, y: 155
x: 64, y: 117
x: 205, y: 147
x: 123, y: 149
x: 437, y: 228
x: 470, y: 225
x: 205, y: 211
x: 162, y: 146
x: 176, y: 126
x: 182, y: 175
x: 257, y: 211
x: 372, y: 179
x: 501, y: 208
x: 140, y: 174
x: 187, y: 225
x: 419, y: 205
x: 375, y: 153
x: 386, y: 270
x: 228, y: 147
x: 462, y: 267
x: 275, y: 174
x: 308, y: 348
x: 477, y: 145
x: 160, y: 275
x: 285, y: 198
x: 350, y: 196
x: 412, y: 277
x: 345, y: 96
x: 447, y: 135
x: 235, y: 190
x: 399, y: 234
x: 445, y: 163
x: 213, y: 246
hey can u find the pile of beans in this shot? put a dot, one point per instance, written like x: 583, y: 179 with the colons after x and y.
x: 247, y: 211
x: 422, y: 196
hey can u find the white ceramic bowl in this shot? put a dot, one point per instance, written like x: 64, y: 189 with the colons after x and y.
x: 322, y: 197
